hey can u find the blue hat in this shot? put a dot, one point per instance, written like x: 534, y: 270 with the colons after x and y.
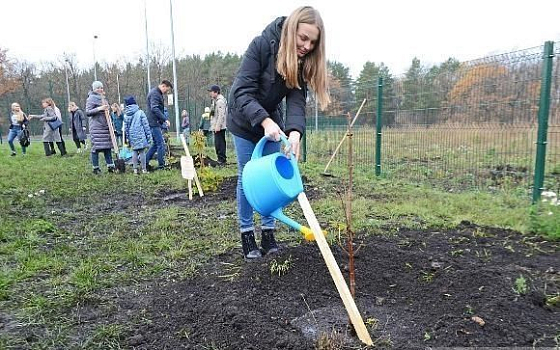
x: 214, y: 88
x: 129, y: 100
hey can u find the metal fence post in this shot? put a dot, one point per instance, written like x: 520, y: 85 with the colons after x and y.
x: 378, y: 125
x: 544, y: 108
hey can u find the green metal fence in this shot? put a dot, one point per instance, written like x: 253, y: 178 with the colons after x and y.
x: 469, y: 125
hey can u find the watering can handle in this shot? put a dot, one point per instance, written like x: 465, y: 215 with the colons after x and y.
x: 258, y: 151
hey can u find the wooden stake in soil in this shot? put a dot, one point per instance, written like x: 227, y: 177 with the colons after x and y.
x: 196, y: 181
x: 349, y: 232
x: 334, y: 270
x: 344, y: 138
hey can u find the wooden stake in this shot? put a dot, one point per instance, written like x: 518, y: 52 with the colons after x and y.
x: 196, y: 181
x: 334, y: 270
x: 344, y: 138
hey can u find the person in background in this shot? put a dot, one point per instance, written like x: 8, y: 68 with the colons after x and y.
x: 1, y: 131
x: 137, y: 132
x: 185, y: 125
x: 59, y: 116
x: 117, y: 116
x: 156, y: 119
x: 77, y: 125
x: 205, y: 123
x: 218, y: 122
x: 96, y: 106
x: 18, y: 122
x: 278, y: 64
x: 49, y: 135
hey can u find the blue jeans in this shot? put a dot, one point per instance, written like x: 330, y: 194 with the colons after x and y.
x: 244, y: 150
x: 158, y: 145
x: 15, y: 131
x: 108, y: 158
x: 187, y: 133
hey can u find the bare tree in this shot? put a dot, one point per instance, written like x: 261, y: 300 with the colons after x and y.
x: 8, y: 75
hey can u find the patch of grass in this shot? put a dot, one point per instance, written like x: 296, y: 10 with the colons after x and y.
x: 106, y: 337
x: 545, y: 220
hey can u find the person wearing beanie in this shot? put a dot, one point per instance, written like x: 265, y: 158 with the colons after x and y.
x: 137, y: 132
x: 96, y: 107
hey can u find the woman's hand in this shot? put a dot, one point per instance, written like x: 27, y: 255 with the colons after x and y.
x: 272, y: 130
x: 294, y: 143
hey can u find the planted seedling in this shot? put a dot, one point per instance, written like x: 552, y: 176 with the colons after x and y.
x: 281, y: 268
x: 521, y: 285
x: 428, y: 277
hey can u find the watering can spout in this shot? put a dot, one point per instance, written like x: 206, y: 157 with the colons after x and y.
x: 305, y: 231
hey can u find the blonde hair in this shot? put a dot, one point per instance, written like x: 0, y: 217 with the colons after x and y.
x: 49, y: 101
x: 20, y: 116
x: 314, y: 63
x: 117, y: 107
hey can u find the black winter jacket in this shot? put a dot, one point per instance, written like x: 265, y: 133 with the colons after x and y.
x: 154, y: 113
x: 258, y: 90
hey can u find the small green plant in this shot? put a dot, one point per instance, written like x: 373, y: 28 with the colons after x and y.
x: 521, y: 285
x: 209, y: 179
x: 281, y: 268
x: 428, y: 277
x: 372, y: 323
x: 199, y: 142
x: 553, y: 300
x: 427, y: 336
x: 469, y: 310
x: 457, y: 252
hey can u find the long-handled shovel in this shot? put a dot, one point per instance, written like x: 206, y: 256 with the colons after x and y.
x: 120, y: 164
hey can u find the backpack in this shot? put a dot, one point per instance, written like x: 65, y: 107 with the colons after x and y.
x: 24, y: 139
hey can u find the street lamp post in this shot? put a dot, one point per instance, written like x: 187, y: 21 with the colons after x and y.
x: 94, y: 60
x: 175, y: 87
x: 147, y: 48
x: 67, y: 83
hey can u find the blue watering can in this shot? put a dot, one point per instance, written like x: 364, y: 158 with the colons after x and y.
x: 271, y: 182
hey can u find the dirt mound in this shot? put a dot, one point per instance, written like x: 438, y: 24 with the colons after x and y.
x: 415, y: 290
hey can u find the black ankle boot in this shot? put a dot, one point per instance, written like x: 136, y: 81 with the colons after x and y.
x: 250, y: 249
x: 62, y: 148
x: 47, y: 148
x: 268, y: 243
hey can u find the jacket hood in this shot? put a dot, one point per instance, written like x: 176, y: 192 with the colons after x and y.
x: 131, y: 109
x: 274, y: 30
x: 96, y: 97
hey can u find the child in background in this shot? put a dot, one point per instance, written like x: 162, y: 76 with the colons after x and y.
x: 137, y: 132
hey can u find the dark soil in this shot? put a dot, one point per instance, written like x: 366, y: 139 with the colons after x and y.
x: 415, y: 290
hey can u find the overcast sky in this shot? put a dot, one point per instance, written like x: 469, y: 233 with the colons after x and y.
x: 392, y: 31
